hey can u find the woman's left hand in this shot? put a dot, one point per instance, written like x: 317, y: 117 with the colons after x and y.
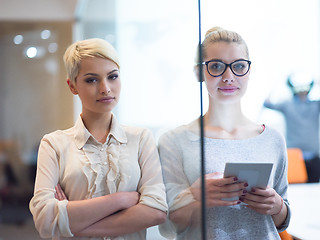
x: 59, y: 194
x: 265, y: 201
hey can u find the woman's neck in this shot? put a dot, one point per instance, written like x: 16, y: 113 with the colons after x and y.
x: 228, y: 122
x: 97, y: 124
x: 224, y: 116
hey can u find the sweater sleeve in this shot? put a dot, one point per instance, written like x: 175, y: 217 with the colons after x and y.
x: 176, y: 181
x: 281, y: 180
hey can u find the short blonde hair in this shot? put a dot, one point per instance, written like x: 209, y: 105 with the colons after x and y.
x: 93, y: 47
x: 218, y: 34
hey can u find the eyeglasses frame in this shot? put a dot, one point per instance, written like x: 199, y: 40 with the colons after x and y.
x: 227, y: 65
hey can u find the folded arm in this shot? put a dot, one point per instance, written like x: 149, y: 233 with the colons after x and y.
x: 84, y: 213
x: 127, y: 221
x: 111, y: 215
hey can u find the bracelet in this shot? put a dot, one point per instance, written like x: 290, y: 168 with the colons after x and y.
x: 280, y: 208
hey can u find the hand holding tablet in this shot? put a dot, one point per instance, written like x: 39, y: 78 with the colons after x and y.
x: 255, y: 174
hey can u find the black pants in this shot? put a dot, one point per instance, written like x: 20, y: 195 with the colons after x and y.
x: 313, y: 169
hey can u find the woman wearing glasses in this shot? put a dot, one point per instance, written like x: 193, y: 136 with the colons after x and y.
x: 229, y: 136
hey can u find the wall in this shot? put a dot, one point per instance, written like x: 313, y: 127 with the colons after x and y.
x: 34, y: 95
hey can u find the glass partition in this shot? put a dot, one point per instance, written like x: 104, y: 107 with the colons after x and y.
x: 157, y: 44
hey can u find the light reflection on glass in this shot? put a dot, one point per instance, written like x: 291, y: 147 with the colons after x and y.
x: 53, y: 47
x: 31, y: 52
x: 45, y: 34
x: 18, y: 39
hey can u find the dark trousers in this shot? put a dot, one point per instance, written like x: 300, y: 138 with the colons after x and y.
x: 313, y: 169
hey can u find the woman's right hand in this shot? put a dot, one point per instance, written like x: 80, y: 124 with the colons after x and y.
x: 59, y: 194
x: 218, y: 188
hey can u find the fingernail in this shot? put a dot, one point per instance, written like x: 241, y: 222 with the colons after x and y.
x: 246, y: 184
x: 238, y: 202
x: 244, y: 191
x: 241, y: 199
x: 235, y: 179
x: 253, y: 190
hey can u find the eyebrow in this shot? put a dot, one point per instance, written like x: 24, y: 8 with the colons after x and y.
x: 94, y: 74
x: 114, y: 70
x: 219, y: 60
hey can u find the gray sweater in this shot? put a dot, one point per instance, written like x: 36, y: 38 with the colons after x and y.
x: 180, y: 158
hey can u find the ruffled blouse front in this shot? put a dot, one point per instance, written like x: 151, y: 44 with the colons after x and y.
x: 105, y: 167
x: 86, y: 169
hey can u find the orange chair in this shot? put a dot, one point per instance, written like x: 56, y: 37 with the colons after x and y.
x: 297, y: 171
x: 285, y: 236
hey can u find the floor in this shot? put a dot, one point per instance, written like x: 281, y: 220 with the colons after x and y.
x: 24, y: 231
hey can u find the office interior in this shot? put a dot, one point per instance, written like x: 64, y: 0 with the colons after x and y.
x: 156, y: 42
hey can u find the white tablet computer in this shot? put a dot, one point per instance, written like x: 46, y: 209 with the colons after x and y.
x: 255, y: 174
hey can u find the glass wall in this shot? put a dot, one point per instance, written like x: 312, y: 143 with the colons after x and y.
x: 161, y: 38
x: 157, y: 43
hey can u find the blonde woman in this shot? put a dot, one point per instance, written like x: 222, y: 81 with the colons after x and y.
x: 98, y: 179
x: 229, y: 137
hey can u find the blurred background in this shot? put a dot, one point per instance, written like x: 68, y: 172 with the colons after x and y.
x: 156, y: 41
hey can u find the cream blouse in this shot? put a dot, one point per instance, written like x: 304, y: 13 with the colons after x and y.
x: 85, y: 168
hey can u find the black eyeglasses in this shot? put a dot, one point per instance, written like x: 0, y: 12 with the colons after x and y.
x: 217, y: 67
